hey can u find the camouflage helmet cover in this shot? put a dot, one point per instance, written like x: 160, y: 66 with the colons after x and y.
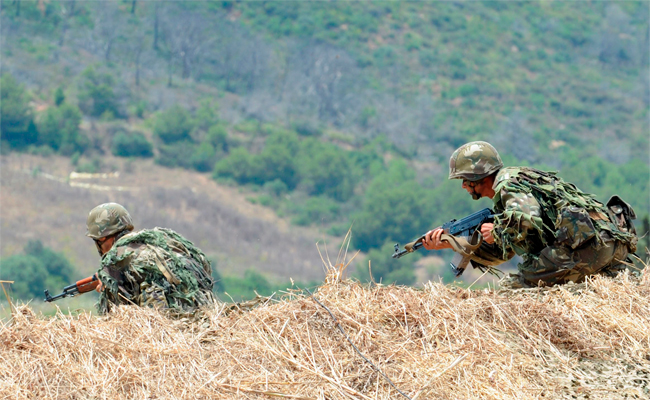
x: 108, y: 219
x: 474, y: 161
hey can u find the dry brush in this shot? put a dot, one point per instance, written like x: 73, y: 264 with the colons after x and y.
x: 440, y: 342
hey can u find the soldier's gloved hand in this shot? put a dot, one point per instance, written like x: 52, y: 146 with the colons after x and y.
x: 432, y: 240
x: 486, y: 231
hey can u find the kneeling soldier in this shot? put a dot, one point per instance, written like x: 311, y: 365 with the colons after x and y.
x: 151, y: 267
x: 562, y: 233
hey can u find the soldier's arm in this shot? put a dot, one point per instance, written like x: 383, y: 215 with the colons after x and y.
x: 521, y: 215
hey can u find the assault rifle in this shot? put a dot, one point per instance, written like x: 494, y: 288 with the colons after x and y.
x: 82, y: 286
x: 465, y: 227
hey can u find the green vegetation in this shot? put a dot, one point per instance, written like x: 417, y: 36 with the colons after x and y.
x: 37, y: 269
x: 96, y: 96
x: 40, y: 268
x: 131, y: 144
x: 246, y: 287
x: 16, y: 121
x: 335, y: 106
x: 58, y: 128
x: 386, y: 270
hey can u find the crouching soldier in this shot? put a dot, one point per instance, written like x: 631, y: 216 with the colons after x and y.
x: 562, y: 233
x: 151, y: 267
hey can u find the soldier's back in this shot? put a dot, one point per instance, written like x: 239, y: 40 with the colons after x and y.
x: 158, y: 268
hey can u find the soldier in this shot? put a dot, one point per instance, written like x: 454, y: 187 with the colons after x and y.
x: 561, y: 233
x: 152, y: 267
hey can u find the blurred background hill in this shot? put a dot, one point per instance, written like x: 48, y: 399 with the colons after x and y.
x: 257, y: 129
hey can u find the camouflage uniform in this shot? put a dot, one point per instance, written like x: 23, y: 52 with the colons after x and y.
x: 152, y: 267
x: 561, y: 233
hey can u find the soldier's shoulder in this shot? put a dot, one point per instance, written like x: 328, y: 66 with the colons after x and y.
x: 505, y: 175
x: 125, y: 250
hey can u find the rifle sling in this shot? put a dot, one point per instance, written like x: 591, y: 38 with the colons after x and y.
x: 467, y: 246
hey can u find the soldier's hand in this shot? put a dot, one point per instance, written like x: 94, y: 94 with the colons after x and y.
x: 486, y: 231
x: 432, y: 240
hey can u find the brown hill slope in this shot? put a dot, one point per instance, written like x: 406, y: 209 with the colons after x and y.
x: 579, y: 341
x: 40, y: 199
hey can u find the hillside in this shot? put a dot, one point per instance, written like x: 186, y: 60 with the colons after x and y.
x: 326, y: 114
x: 587, y: 341
x: 40, y: 201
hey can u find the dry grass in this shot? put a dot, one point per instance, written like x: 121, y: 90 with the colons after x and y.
x: 579, y: 341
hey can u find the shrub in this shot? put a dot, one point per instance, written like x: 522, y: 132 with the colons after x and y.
x: 325, y: 169
x: 96, y: 96
x: 177, y: 154
x: 395, y: 208
x: 206, y: 115
x: 16, y: 120
x: 218, y: 138
x: 245, y: 287
x: 276, y: 187
x: 58, y: 128
x: 55, y: 263
x: 386, y: 269
x: 216, y: 277
x: 173, y: 125
x: 275, y: 162
x: 237, y: 166
x: 36, y: 270
x: 131, y: 144
x: 59, y: 97
x: 315, y: 210
x: 307, y: 128
x: 203, y: 157
x: 28, y: 274
x: 412, y: 41
x: 92, y: 167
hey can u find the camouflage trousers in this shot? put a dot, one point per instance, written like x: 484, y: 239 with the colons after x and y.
x: 559, y: 263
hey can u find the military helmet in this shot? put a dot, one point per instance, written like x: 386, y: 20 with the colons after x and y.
x: 474, y: 161
x: 108, y: 219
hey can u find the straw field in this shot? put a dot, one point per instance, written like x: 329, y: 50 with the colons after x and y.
x: 586, y: 341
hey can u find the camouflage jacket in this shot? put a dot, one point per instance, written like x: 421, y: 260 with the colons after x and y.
x: 155, y: 267
x: 536, y: 209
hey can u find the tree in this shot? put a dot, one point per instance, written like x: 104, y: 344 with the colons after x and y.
x: 395, y: 208
x: 173, y: 125
x: 325, y: 169
x: 55, y: 263
x: 277, y: 160
x: 238, y: 166
x: 325, y: 78
x: 131, y: 144
x: 58, y: 128
x: 109, y: 27
x: 203, y: 157
x: 16, y: 118
x: 36, y: 270
x: 28, y: 274
x: 96, y: 95
x: 206, y: 115
x: 137, y: 45
x: 387, y: 270
x: 185, y: 37
x: 59, y: 96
